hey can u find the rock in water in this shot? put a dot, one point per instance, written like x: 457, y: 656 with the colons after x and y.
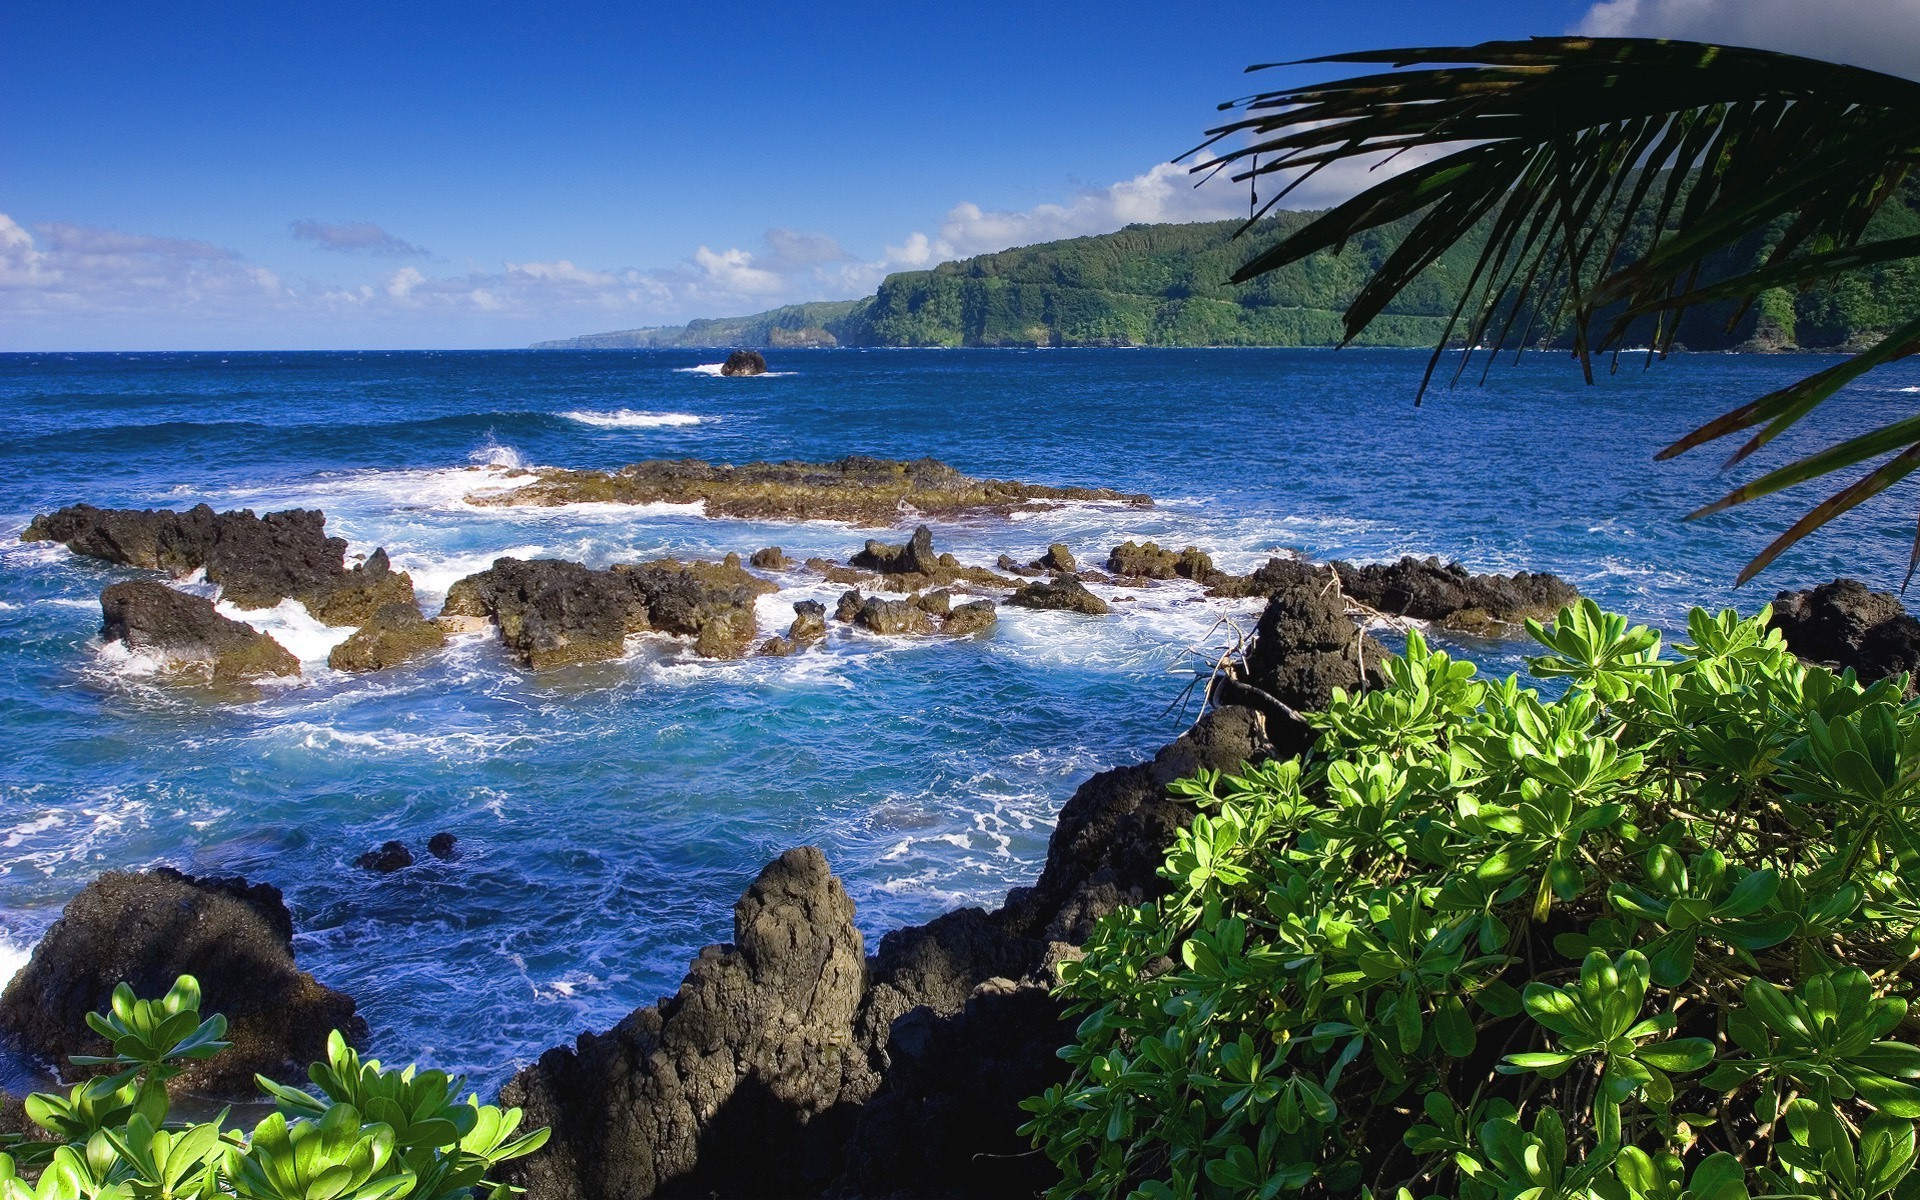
x: 444, y: 846
x: 149, y: 927
x: 719, y: 1083
x: 388, y: 858
x: 153, y: 617
x: 809, y: 623
x: 1149, y: 561
x: 1063, y: 592
x: 1427, y: 590
x: 744, y: 362
x: 551, y: 613
x: 917, y: 557
x: 1057, y: 558
x: 973, y: 617
x: 396, y: 633
x: 356, y: 596
x: 1845, y: 624
x: 892, y: 617
x: 770, y: 558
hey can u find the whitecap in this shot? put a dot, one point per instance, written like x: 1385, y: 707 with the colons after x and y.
x: 13, y: 956
x: 497, y: 454
x: 627, y: 418
x: 713, y: 369
x: 308, y: 638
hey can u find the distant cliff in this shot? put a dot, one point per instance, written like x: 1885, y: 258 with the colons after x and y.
x: 1164, y: 285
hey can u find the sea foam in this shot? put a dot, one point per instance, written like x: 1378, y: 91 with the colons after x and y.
x: 627, y: 418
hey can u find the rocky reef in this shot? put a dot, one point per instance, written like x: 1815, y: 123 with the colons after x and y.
x: 191, y: 637
x: 1846, y: 625
x: 790, y: 1063
x: 394, y: 634
x: 148, y: 927
x: 553, y: 613
x: 257, y: 561
x: 1426, y: 589
x: 744, y: 362
x: 856, y: 489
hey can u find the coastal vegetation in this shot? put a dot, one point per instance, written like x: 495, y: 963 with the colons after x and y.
x: 372, y: 1133
x: 1172, y: 285
x: 1611, y: 188
x: 1653, y: 938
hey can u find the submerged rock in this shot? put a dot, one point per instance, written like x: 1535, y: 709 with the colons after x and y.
x: 858, y: 489
x: 190, y: 634
x: 388, y: 858
x: 1429, y: 591
x: 444, y: 846
x: 744, y: 362
x: 777, y: 647
x: 149, y: 927
x: 1063, y: 592
x: 396, y: 633
x: 1845, y: 624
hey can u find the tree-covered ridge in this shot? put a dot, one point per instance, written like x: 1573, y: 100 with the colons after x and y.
x: 1166, y: 285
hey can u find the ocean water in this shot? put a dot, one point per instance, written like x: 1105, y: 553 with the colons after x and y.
x: 609, y: 815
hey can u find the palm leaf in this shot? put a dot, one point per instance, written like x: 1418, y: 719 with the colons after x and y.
x: 1618, y: 180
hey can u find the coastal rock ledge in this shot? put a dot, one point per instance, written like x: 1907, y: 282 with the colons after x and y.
x: 790, y: 1063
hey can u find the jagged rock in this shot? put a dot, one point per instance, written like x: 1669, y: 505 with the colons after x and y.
x: 892, y: 617
x: 974, y: 617
x: 717, y: 1085
x: 396, y: 633
x: 1429, y: 591
x: 357, y: 595
x: 1270, y: 577
x: 552, y: 613
x: 388, y: 858
x: 1844, y: 624
x: 848, y: 606
x: 1008, y: 564
x: 916, y: 557
x: 770, y: 558
x: 149, y: 927
x: 809, y: 623
x: 744, y: 362
x: 444, y: 846
x: 1063, y: 592
x: 936, y: 604
x: 1304, y: 646
x: 1150, y: 561
x: 1057, y: 558
x: 859, y: 489
x: 195, y: 639
x: 777, y: 647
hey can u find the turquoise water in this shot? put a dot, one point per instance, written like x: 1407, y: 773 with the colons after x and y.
x: 609, y: 815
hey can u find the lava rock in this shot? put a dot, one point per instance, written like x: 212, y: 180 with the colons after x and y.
x: 1013, y: 566
x: 194, y: 639
x: 147, y: 928
x: 396, y: 633
x: 358, y: 595
x: 444, y: 846
x: 1150, y: 561
x: 744, y: 362
x: 1270, y: 577
x: 1304, y: 646
x: 770, y: 558
x: 1427, y: 590
x: 892, y: 617
x: 1057, y: 558
x: 936, y: 604
x: 777, y: 647
x: 1063, y: 592
x: 917, y: 557
x: 552, y: 613
x: 1845, y: 624
x: 809, y: 623
x: 848, y: 606
x: 388, y: 858
x: 974, y: 617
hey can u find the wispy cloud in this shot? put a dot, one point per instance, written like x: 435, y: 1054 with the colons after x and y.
x: 355, y: 237
x: 1881, y: 34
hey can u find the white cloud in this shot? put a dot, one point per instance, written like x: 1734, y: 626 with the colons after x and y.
x: 350, y: 237
x: 1881, y: 34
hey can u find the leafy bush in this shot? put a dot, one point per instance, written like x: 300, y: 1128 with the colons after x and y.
x: 371, y: 1134
x: 1651, y: 940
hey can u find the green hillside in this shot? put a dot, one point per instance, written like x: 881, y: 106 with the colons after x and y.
x: 1164, y: 285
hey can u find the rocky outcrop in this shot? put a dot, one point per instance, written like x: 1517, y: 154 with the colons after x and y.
x: 892, y: 617
x: 1845, y: 624
x: 553, y: 613
x: 257, y: 561
x: 1064, y: 593
x: 770, y: 558
x: 444, y: 846
x: 744, y: 362
x: 718, y: 1085
x: 857, y: 489
x: 1057, y: 558
x: 1266, y: 579
x: 149, y: 927
x: 1426, y: 589
x: 1150, y: 561
x: 809, y: 623
x: 916, y: 557
x: 386, y: 858
x: 970, y: 619
x: 394, y: 634
x: 1304, y: 646
x: 914, y: 1067
x: 189, y: 634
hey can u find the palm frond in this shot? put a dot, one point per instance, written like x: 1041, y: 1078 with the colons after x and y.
x: 1616, y: 178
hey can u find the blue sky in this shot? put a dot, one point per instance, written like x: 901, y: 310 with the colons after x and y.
x: 229, y: 175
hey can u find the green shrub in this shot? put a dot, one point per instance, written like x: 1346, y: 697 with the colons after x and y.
x: 1651, y: 940
x: 371, y: 1134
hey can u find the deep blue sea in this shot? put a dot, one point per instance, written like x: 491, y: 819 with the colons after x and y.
x: 610, y: 815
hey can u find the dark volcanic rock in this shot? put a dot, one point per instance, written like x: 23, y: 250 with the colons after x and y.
x: 744, y: 362
x: 848, y: 606
x: 1012, y: 566
x: 974, y: 617
x: 777, y: 647
x: 892, y: 616
x: 719, y: 1083
x: 396, y: 633
x: 915, y: 558
x: 809, y: 623
x: 1846, y: 624
x: 770, y: 558
x: 1304, y: 646
x: 196, y: 639
x: 1063, y: 592
x: 1057, y: 558
x: 385, y: 860
x: 1270, y: 577
x: 356, y: 597
x: 444, y: 846
x: 1429, y: 591
x: 147, y: 928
